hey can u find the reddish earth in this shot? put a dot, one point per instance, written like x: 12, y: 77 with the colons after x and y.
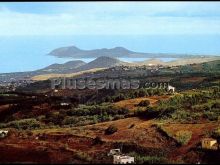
x: 61, y: 145
x: 192, y: 79
x: 131, y: 104
x: 48, y: 148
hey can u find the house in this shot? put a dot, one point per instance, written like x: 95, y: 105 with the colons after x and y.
x: 3, y: 133
x: 123, y: 159
x: 171, y: 88
x: 114, y: 152
x: 209, y: 143
x: 64, y: 104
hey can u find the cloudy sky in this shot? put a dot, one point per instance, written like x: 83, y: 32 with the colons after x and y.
x: 109, y: 18
x: 29, y: 31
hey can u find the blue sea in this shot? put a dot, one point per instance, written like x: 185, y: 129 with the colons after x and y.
x: 27, y: 53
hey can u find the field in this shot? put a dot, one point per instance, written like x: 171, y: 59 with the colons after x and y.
x: 46, y: 144
x: 131, y: 104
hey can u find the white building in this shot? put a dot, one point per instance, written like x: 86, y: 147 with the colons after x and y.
x: 114, y: 152
x: 171, y: 88
x: 122, y: 159
x: 3, y: 133
x: 64, y: 104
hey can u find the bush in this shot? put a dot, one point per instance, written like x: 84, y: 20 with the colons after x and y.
x: 70, y: 120
x: 142, y: 159
x: 150, y: 160
x: 144, y: 103
x: 105, y: 108
x: 167, y: 111
x: 216, y: 133
x: 83, y: 156
x: 23, y: 124
x: 211, y: 116
x: 183, y: 137
x: 111, y: 129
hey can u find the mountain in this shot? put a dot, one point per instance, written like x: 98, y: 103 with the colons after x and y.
x: 74, y: 52
x: 66, y: 68
x: 61, y: 68
x: 102, y: 62
x: 95, y: 65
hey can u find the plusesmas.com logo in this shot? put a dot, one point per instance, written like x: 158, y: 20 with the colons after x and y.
x: 71, y: 83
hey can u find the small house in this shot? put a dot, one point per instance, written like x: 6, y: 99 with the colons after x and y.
x: 114, y: 152
x: 209, y: 143
x: 123, y: 159
x: 64, y: 104
x: 171, y: 88
x: 3, y: 133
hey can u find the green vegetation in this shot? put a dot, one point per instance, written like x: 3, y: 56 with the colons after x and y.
x: 216, y: 133
x: 204, y: 104
x: 74, y: 116
x: 143, y: 159
x: 183, y: 137
x: 164, y: 130
x: 83, y: 156
x: 85, y: 114
x: 22, y: 124
x: 119, y: 95
x: 103, y: 109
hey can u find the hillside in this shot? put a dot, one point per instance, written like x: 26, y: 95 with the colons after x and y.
x: 73, y: 67
x: 191, y: 61
x: 102, y: 62
x: 63, y: 68
x: 70, y: 67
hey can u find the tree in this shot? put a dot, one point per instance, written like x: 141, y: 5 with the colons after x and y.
x: 111, y: 129
x: 144, y: 103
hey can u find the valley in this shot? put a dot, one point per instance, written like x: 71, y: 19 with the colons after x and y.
x: 81, y: 126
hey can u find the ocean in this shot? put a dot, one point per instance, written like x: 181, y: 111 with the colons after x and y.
x: 27, y: 53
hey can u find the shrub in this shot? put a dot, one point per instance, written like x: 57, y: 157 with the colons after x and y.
x: 142, y: 159
x: 167, y: 111
x: 83, y: 156
x: 211, y: 116
x: 183, y: 137
x: 150, y: 160
x: 70, y: 120
x: 144, y: 103
x: 216, y: 133
x: 111, y: 129
x: 24, y: 124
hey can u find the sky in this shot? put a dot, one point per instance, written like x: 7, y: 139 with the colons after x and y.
x: 30, y: 30
x: 109, y: 18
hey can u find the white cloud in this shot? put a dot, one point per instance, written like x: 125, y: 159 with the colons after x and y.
x: 112, y: 19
